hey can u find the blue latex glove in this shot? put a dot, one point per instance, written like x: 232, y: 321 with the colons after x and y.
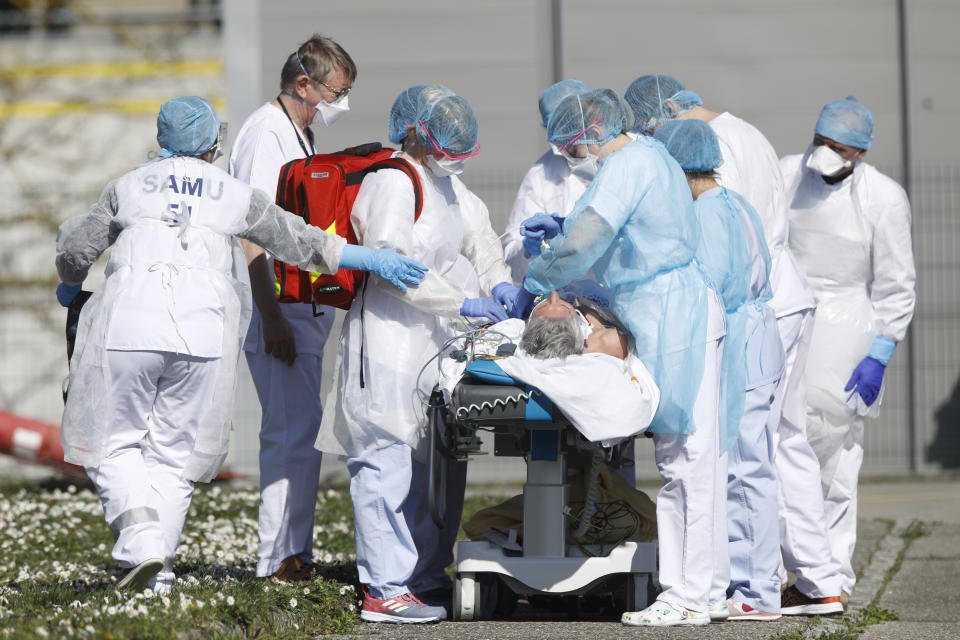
x: 866, y: 379
x: 523, y: 304
x: 506, y: 294
x: 396, y: 269
x: 541, y: 226
x: 483, y: 308
x: 532, y: 246
x: 66, y: 293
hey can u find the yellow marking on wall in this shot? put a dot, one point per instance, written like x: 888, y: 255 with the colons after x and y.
x: 135, y: 68
x: 46, y: 109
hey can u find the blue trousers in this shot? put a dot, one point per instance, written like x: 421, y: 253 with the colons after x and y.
x: 752, y: 520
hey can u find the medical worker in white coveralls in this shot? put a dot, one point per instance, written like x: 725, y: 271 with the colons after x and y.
x: 153, y: 372
x: 850, y: 230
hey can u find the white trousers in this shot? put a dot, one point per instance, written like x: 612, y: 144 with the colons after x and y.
x: 839, y: 448
x: 753, y: 526
x: 399, y: 548
x: 157, y: 400
x: 803, y: 530
x: 289, y: 464
x: 687, y: 504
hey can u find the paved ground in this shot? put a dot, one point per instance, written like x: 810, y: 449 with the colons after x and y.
x: 924, y: 592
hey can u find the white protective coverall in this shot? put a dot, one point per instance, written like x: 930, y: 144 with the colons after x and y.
x: 751, y: 168
x: 548, y: 187
x: 153, y: 373
x: 853, y: 241
x: 374, y: 413
x: 289, y: 394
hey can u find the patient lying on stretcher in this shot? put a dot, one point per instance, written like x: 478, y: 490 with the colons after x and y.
x: 579, y: 356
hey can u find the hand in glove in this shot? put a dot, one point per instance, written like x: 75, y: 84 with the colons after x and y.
x: 483, y: 308
x: 396, y: 269
x: 523, y: 304
x: 541, y: 226
x: 506, y: 294
x: 866, y: 379
x: 67, y: 292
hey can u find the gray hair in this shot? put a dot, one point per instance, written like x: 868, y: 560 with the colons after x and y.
x: 546, y: 338
x: 319, y: 56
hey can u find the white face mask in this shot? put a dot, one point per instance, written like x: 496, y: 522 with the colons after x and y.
x: 827, y: 162
x: 445, y: 166
x: 584, y: 168
x: 585, y: 327
x: 329, y: 112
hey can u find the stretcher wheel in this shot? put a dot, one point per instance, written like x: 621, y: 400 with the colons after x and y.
x: 497, y: 600
x: 466, y: 597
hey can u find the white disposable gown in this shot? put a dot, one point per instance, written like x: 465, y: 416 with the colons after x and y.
x: 548, y: 187
x: 176, y: 281
x: 389, y: 336
x: 853, y: 241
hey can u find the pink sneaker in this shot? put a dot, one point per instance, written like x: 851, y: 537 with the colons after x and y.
x: 403, y: 609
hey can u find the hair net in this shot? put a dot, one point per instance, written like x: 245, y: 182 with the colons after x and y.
x: 658, y: 98
x: 448, y: 118
x: 596, y: 117
x: 846, y: 121
x: 692, y: 143
x: 555, y: 94
x: 187, y: 126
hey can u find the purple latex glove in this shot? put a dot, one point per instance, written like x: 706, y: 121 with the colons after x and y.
x: 506, y: 294
x: 523, y: 304
x: 541, y: 226
x: 483, y: 308
x: 866, y: 380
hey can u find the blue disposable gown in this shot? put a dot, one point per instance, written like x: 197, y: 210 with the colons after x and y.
x: 735, y: 258
x: 635, y: 226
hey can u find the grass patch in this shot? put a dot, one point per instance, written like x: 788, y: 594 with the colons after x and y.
x: 56, y: 578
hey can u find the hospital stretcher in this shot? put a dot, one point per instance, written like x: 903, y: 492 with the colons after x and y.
x: 491, y: 574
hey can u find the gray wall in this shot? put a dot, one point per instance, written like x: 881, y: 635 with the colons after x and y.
x: 773, y: 62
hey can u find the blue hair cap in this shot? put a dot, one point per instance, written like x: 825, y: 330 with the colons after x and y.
x: 595, y: 117
x: 656, y: 98
x: 692, y: 143
x: 554, y: 95
x: 438, y: 116
x: 848, y: 122
x: 187, y: 126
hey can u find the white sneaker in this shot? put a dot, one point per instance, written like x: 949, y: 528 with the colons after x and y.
x: 740, y: 611
x: 719, y: 611
x: 136, y: 578
x: 664, y: 614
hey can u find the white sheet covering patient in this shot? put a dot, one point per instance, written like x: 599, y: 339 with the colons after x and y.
x: 604, y: 390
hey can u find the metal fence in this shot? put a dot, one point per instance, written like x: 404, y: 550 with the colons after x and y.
x: 31, y: 345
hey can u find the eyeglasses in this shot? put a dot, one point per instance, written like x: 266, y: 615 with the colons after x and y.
x: 444, y: 153
x: 580, y: 135
x: 339, y: 93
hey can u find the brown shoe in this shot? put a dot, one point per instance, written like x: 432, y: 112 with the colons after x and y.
x: 295, y: 569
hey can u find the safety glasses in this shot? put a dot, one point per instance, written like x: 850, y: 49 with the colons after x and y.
x: 581, y: 134
x: 444, y: 153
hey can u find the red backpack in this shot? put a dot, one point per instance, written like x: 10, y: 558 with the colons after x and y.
x: 322, y: 188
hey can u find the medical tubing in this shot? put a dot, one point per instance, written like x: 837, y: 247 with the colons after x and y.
x: 593, y: 491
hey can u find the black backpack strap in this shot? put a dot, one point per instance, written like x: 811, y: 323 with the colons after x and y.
x: 403, y: 165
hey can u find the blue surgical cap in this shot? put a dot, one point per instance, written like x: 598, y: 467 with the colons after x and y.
x: 187, y: 126
x: 599, y: 114
x: 692, y: 143
x: 846, y: 121
x: 555, y: 94
x: 448, y: 118
x: 658, y: 98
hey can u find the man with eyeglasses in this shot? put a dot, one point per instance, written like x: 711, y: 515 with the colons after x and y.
x: 284, y: 346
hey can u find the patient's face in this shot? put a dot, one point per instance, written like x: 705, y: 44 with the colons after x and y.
x: 604, y: 339
x: 553, y: 307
